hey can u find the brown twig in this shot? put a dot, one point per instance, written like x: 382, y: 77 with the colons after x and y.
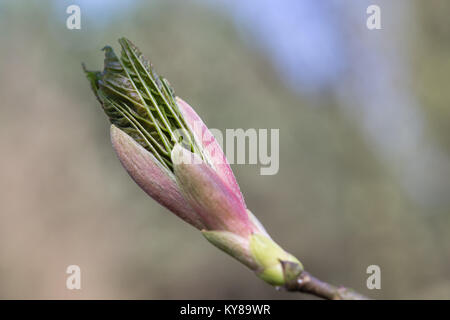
x: 306, y: 283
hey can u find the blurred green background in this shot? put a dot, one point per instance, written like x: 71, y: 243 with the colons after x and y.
x: 349, y: 193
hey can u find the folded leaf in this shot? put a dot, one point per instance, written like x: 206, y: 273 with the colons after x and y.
x: 157, y: 181
x: 140, y: 102
x: 212, y: 199
x: 210, y: 147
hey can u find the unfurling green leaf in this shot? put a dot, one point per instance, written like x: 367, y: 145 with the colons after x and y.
x: 140, y: 102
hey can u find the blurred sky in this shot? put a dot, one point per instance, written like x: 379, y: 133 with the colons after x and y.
x: 313, y: 47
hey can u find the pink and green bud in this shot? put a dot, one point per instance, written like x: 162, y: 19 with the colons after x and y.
x: 158, y: 182
x: 172, y: 155
x: 213, y: 200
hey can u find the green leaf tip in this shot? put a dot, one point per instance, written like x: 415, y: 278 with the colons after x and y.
x: 291, y: 271
x: 261, y: 254
x: 140, y: 102
x: 269, y: 256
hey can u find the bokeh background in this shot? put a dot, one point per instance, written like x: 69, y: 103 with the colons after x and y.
x: 364, y: 120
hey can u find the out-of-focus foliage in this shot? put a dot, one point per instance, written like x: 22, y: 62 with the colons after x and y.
x: 66, y: 200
